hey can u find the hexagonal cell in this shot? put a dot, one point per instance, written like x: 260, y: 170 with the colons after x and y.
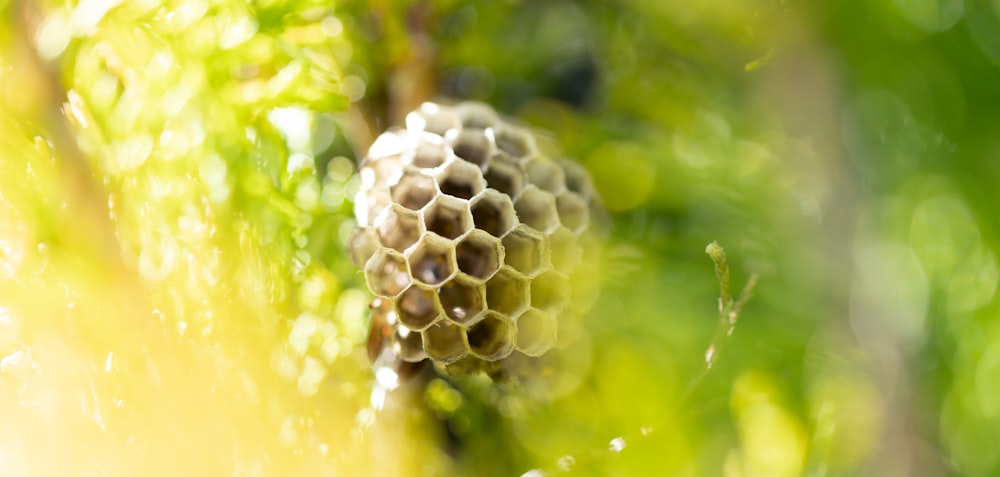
x: 479, y: 255
x: 474, y: 145
x: 444, y: 342
x: 586, y: 286
x: 493, y: 213
x: 545, y: 174
x: 505, y: 177
x: 398, y: 228
x: 514, y: 141
x: 536, y: 332
x: 507, y: 293
x: 468, y: 366
x: 573, y: 210
x: 565, y: 250
x: 461, y: 179
x: 368, y: 203
x: 413, y: 189
x: 432, y: 260
x: 463, y: 301
x: 392, y: 142
x: 577, y: 178
x: 432, y: 118
x: 476, y: 115
x: 386, y: 273
x: 362, y: 244
x: 526, y: 251
x: 550, y: 292
x: 503, y: 157
x: 417, y: 308
x: 493, y: 338
x: 537, y: 209
x: 379, y: 170
x: 408, y: 344
x: 430, y: 152
x: 448, y: 217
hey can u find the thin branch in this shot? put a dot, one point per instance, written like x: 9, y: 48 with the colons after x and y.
x: 718, y: 255
x: 729, y: 311
x: 729, y: 314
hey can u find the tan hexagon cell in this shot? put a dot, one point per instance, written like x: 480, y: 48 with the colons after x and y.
x: 473, y: 239
x: 493, y: 212
x: 515, y: 141
x: 475, y: 115
x: 386, y: 273
x: 408, y: 344
x: 493, y: 338
x: 448, y: 217
x: 461, y: 179
x: 393, y: 142
x: 368, y: 204
x: 537, y: 209
x: 380, y: 170
x: 586, y: 287
x: 444, y: 342
x: 506, y: 178
x: 508, y: 294
x: 432, y: 260
x: 536, y: 332
x: 545, y: 174
x: 574, y: 213
x: 479, y: 255
x: 550, y: 292
x: 417, y: 307
x: 432, y: 118
x: 565, y: 250
x: 362, y: 244
x: 430, y: 153
x: 577, y: 179
x: 413, y: 189
x: 398, y: 228
x: 464, y: 301
x: 474, y: 145
x: 526, y: 251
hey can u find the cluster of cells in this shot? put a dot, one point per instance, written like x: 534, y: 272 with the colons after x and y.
x: 469, y: 237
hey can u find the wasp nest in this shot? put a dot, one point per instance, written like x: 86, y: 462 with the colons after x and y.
x: 469, y: 237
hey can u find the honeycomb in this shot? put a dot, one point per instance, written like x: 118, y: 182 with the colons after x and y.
x: 469, y: 237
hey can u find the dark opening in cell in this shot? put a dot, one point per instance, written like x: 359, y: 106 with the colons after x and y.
x: 505, y: 178
x: 461, y: 179
x: 478, y: 254
x: 431, y: 261
x: 417, y: 308
x: 462, y: 302
x: 448, y: 217
x: 493, y: 213
x: 413, y: 190
x: 491, y: 339
x: 507, y: 294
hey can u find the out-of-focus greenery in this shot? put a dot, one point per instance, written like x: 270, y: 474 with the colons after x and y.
x: 175, y: 187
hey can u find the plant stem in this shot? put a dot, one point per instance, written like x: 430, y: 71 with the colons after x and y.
x: 729, y: 313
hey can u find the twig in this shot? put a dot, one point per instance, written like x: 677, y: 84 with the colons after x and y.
x: 722, y: 273
x: 729, y: 313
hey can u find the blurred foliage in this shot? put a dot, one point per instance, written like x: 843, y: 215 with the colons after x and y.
x: 175, y: 195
